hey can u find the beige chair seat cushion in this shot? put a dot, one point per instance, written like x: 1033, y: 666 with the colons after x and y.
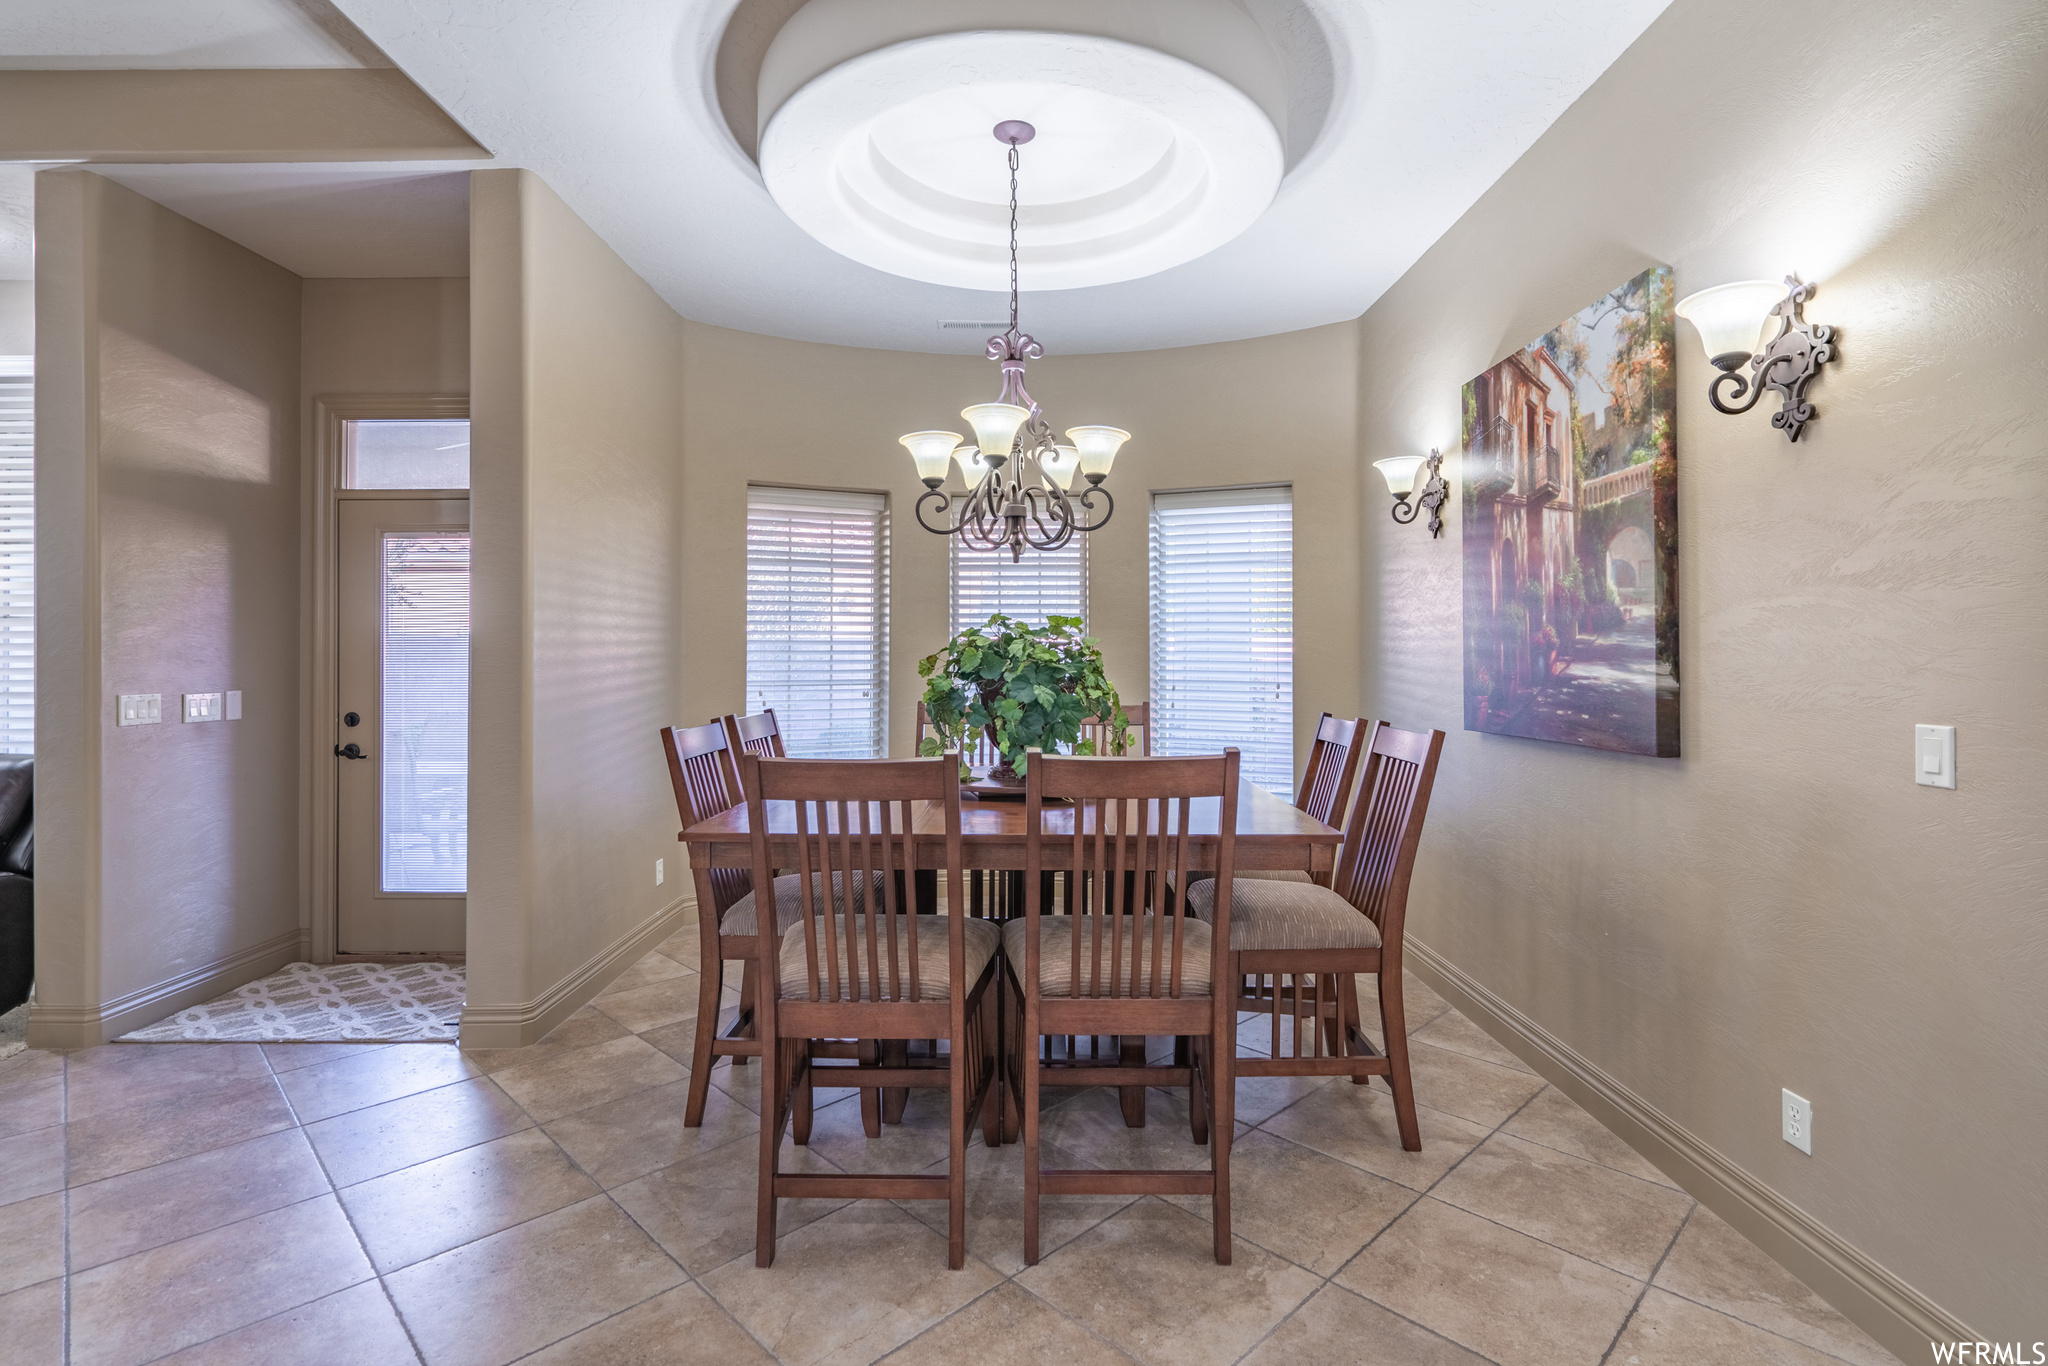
x: 1056, y: 953
x: 1257, y: 875
x: 1286, y: 915
x: 934, y: 979
x: 789, y: 902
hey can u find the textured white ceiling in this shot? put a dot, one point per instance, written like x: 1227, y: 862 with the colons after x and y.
x: 127, y: 34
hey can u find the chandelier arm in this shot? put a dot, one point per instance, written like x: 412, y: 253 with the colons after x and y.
x: 1087, y: 500
x: 943, y: 501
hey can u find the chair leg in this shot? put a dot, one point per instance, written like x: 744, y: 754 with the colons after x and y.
x: 992, y: 1032
x: 800, y: 1103
x: 960, y: 1089
x: 1347, y: 997
x: 1198, y: 1089
x: 1223, y: 1119
x: 772, y: 1114
x: 1131, y: 1053
x: 870, y: 1096
x: 746, y: 1010
x: 1394, y: 1027
x: 895, y: 1053
x: 1030, y: 1106
x: 708, y: 983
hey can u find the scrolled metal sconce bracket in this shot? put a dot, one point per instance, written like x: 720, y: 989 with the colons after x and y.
x: 1786, y: 366
x: 1434, y: 495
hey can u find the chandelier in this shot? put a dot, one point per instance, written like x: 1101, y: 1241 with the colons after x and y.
x: 1018, y: 477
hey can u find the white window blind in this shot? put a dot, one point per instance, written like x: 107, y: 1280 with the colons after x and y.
x: 17, y: 555
x: 1045, y: 583
x: 1223, y: 628
x: 817, y: 619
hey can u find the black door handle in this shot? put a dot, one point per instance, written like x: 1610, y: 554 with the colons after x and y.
x: 350, y: 751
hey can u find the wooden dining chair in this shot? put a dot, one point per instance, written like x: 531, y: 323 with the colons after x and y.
x: 1137, y: 716
x: 858, y: 964
x: 1122, y: 964
x: 1295, y: 949
x: 757, y: 734
x: 1325, y: 786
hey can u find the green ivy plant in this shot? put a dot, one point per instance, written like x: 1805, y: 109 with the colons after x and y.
x: 1025, y: 686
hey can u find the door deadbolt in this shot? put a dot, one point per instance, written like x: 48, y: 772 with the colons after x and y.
x: 351, y: 719
x: 350, y: 751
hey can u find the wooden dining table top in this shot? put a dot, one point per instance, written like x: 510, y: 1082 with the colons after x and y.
x: 1272, y: 833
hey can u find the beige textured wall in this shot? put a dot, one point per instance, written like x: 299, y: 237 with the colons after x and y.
x: 1783, y: 907
x: 576, y: 487
x: 17, y: 317
x: 168, y: 513
x: 385, y: 337
x: 1278, y: 408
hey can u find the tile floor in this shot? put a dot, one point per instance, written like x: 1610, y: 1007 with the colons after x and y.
x: 355, y: 1204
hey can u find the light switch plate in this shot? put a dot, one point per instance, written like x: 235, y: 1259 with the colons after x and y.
x: 234, y: 706
x: 140, y: 709
x: 1934, y: 756
x: 660, y: 872
x: 1798, y: 1117
x: 202, y: 706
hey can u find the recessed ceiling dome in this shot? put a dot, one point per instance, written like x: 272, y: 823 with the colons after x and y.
x: 1157, y: 134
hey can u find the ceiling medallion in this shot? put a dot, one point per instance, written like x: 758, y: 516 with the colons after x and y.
x: 1018, y: 478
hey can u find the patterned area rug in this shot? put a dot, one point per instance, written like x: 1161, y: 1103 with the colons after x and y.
x: 335, y: 1003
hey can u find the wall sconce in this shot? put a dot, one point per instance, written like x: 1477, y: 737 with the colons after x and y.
x: 1400, y: 471
x: 1731, y: 320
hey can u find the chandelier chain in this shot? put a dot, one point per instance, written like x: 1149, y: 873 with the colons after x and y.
x: 1013, y: 236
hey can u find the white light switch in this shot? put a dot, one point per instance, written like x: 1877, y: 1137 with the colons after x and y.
x: 234, y: 706
x: 140, y: 709
x: 660, y: 872
x: 1934, y: 756
x: 202, y: 706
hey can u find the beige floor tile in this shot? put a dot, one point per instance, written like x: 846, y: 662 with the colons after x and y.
x: 138, y: 1210
x: 496, y: 1299
x: 1464, y: 1086
x: 1593, y: 1211
x: 742, y: 1084
x: 654, y: 1004
x: 1669, y: 1331
x: 1555, y: 1120
x: 1337, y: 1328
x: 1313, y: 1210
x: 702, y: 1209
x: 170, y: 1297
x: 423, y: 1211
x: 653, y: 966
x: 625, y: 1139
x: 1453, y: 1031
x: 1091, y: 1127
x: 355, y: 1327
x: 34, y: 1165
x: 1717, y: 1266
x: 29, y: 1064
x: 678, y: 1040
x: 848, y: 1288
x: 1258, y: 1099
x: 32, y: 1325
x: 1009, y: 1326
x: 1419, y: 1002
x: 584, y: 1077
x: 995, y: 1205
x: 680, y: 1327
x: 33, y: 1097
x: 123, y: 1076
x: 915, y: 1144
x: 209, y: 1115
x: 405, y: 1069
x: 1356, y: 1124
x: 31, y: 1241
x: 290, y: 1057
x: 586, y: 1027
x: 1499, y: 1292
x: 383, y: 1138
x: 1173, y: 1303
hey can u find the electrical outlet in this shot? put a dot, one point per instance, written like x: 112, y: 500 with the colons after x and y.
x: 202, y: 706
x: 660, y: 873
x: 1799, y: 1122
x: 140, y: 709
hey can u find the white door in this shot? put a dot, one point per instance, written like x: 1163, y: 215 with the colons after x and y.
x: 402, y: 735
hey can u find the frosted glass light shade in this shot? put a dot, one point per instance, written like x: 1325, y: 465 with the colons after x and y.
x: 1060, y: 467
x: 1731, y: 318
x: 933, y: 452
x: 973, y: 468
x: 1400, y: 472
x: 1097, y: 447
x: 995, y: 426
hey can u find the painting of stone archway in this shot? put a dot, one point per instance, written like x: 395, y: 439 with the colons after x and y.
x: 1570, y: 482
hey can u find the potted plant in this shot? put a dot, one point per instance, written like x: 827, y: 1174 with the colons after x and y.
x: 1024, y: 687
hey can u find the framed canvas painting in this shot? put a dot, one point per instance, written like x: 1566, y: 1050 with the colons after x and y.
x: 1570, y: 476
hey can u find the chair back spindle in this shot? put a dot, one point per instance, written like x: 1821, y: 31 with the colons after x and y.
x: 1332, y: 764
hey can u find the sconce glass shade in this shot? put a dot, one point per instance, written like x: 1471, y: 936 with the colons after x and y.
x: 1731, y: 317
x: 1060, y: 467
x: 933, y: 452
x: 1097, y: 447
x: 1400, y: 471
x: 995, y: 426
x: 972, y: 467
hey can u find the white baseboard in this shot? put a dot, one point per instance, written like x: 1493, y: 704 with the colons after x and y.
x: 85, y: 1026
x: 520, y: 1025
x: 1873, y: 1298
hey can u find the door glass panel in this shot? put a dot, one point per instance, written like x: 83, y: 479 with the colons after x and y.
x: 425, y: 811
x: 392, y: 454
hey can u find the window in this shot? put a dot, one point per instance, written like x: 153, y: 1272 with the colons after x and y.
x: 17, y: 555
x: 1223, y: 628
x: 1044, y: 583
x: 817, y: 619
x: 425, y: 685
x: 406, y: 453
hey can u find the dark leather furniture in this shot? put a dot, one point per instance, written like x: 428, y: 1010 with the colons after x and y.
x: 17, y: 879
